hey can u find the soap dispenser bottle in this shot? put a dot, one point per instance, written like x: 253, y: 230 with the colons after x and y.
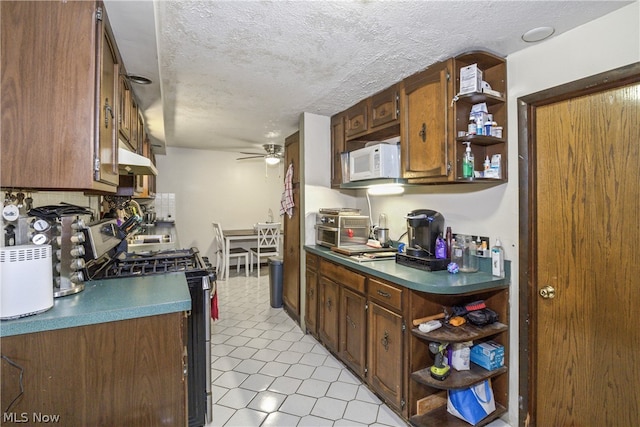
x: 468, y: 162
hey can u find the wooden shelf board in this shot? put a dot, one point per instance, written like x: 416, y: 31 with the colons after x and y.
x: 457, y: 379
x: 466, y: 332
x: 441, y: 418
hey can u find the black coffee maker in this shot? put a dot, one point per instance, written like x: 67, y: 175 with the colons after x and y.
x: 423, y: 228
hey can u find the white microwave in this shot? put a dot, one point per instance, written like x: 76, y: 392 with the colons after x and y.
x: 375, y: 161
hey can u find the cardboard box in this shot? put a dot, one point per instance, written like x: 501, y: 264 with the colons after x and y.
x: 470, y: 79
x: 489, y: 355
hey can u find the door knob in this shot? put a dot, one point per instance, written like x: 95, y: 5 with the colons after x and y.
x: 548, y: 292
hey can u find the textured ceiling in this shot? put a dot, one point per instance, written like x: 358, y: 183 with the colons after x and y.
x: 233, y: 75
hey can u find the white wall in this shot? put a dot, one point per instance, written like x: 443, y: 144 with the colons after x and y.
x: 214, y: 186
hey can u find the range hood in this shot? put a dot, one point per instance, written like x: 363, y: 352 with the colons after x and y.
x: 130, y: 163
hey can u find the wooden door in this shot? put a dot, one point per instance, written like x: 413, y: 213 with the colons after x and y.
x: 583, y: 269
x: 291, y: 258
x: 385, y: 349
x: 425, y: 135
x: 353, y: 330
x: 329, y: 310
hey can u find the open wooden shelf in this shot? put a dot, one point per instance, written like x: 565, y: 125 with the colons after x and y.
x: 466, y: 332
x: 457, y: 379
x: 441, y: 418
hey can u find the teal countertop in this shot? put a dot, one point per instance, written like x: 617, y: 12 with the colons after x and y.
x: 109, y: 300
x: 434, y: 282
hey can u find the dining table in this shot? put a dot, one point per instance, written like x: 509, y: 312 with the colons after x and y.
x: 246, y: 234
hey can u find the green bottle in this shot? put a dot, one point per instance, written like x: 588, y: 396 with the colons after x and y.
x: 468, y: 162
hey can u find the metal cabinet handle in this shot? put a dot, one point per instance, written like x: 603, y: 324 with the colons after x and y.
x: 329, y: 304
x: 385, y: 341
x: 423, y: 132
x: 384, y: 294
x: 109, y: 110
x: 351, y: 322
x: 311, y: 292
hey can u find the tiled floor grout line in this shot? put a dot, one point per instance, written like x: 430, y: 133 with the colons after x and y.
x: 267, y: 372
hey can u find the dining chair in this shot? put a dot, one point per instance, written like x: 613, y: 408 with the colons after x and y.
x: 221, y: 260
x: 268, y: 243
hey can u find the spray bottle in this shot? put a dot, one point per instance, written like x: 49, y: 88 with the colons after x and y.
x: 497, y: 259
x: 468, y: 162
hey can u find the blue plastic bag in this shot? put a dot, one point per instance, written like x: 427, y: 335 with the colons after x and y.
x: 472, y: 404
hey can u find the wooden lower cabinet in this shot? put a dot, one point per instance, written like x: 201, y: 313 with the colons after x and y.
x: 311, y: 298
x: 329, y: 312
x: 364, y: 320
x: 353, y: 330
x: 385, y: 354
x: 124, y: 373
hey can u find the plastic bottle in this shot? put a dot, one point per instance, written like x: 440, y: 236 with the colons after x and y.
x: 468, y: 162
x: 471, y: 128
x: 449, y: 237
x: 487, y: 164
x: 497, y: 259
x: 441, y: 247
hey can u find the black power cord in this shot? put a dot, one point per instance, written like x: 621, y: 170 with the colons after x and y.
x: 15, y: 365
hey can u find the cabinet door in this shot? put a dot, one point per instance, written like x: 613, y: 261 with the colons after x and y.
x: 124, y: 109
x: 356, y: 119
x: 337, y: 147
x: 384, y: 107
x: 426, y: 143
x: 311, y: 302
x: 108, y: 110
x: 385, y: 351
x: 353, y: 331
x: 329, y: 310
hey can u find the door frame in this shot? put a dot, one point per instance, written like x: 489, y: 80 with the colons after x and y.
x: 527, y: 179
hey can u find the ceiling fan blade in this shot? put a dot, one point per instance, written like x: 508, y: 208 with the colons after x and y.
x: 250, y: 157
x: 251, y: 154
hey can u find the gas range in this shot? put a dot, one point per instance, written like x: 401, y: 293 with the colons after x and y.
x: 160, y: 262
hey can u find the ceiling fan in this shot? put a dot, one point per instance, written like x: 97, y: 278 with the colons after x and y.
x: 272, y: 156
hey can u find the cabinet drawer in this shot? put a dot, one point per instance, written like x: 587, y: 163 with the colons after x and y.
x: 385, y: 294
x: 312, y: 261
x: 342, y: 276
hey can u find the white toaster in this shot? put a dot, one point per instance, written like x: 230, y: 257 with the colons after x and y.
x: 26, y: 281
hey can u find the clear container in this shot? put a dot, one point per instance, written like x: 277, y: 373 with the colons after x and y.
x: 464, y: 253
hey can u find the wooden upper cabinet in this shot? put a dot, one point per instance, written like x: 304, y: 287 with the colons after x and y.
x: 426, y: 146
x: 107, y: 143
x: 356, y: 122
x: 337, y: 148
x: 385, y: 107
x: 124, y: 110
x: 52, y: 122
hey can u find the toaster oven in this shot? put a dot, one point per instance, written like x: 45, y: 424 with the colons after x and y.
x: 335, y: 229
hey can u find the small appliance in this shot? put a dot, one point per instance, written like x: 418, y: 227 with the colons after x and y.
x: 26, y: 277
x: 423, y: 228
x: 336, y: 227
x: 375, y: 161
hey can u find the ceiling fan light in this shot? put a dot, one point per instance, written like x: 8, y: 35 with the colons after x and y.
x: 272, y: 160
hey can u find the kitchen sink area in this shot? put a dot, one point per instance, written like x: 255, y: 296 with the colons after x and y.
x: 149, y: 238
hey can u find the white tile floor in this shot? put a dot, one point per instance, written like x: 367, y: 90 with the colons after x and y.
x: 267, y: 372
